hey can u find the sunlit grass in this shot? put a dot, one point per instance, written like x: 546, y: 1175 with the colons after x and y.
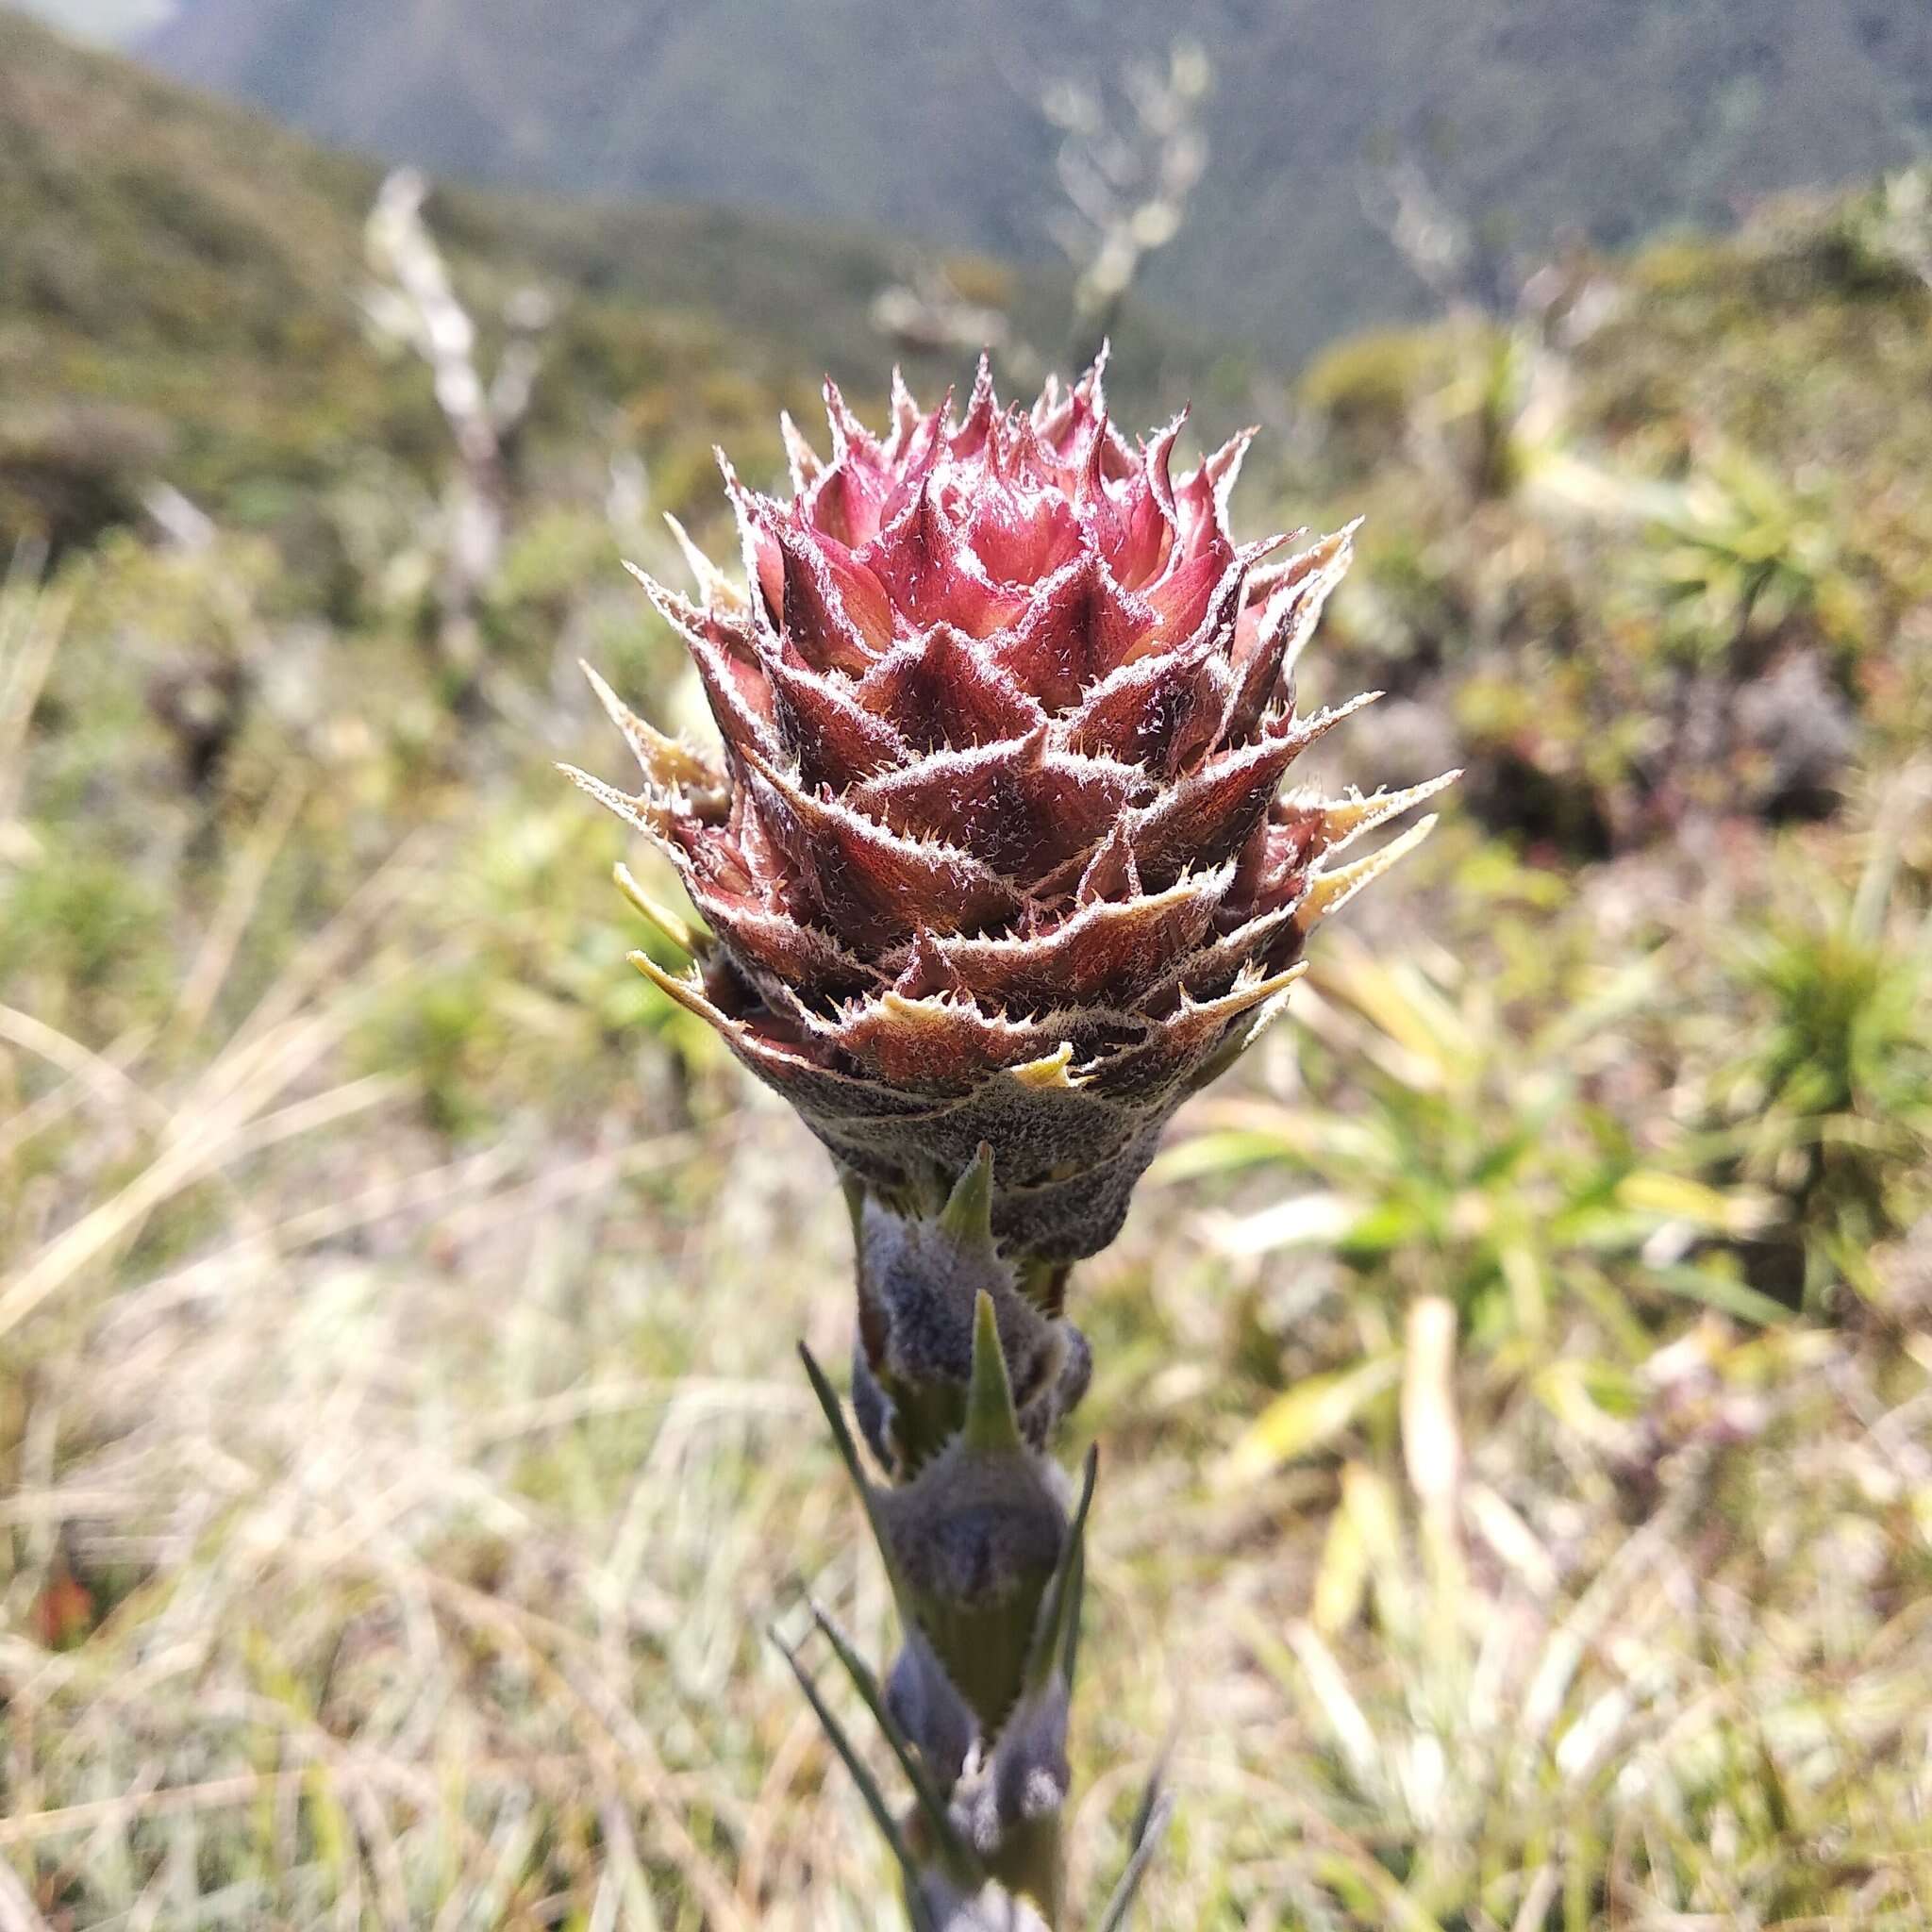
x: 1513, y: 1390
x: 395, y: 1500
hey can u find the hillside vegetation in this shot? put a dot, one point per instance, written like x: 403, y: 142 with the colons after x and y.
x: 1513, y: 1385
x: 1613, y: 119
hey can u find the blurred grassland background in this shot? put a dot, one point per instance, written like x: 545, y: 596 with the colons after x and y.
x: 401, y: 1446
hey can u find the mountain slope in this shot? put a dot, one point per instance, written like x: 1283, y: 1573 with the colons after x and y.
x: 1619, y: 118
x: 178, y: 298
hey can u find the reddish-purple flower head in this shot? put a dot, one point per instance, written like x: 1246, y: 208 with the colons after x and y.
x: 997, y: 848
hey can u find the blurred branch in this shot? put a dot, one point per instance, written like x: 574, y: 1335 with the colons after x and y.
x: 413, y: 305
x: 1128, y: 158
x: 1401, y: 201
x: 926, y: 312
x: 1126, y: 166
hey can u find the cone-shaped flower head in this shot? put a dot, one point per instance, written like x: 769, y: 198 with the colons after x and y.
x: 997, y: 849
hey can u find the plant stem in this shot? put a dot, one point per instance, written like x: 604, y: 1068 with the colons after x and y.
x: 963, y: 1370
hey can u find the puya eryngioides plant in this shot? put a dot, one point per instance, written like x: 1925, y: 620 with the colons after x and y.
x: 997, y: 869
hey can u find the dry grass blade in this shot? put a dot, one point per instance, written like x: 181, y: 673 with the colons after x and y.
x: 181, y: 1163
x: 101, y: 1075
x: 203, y: 983
x: 406, y: 872
x: 18, y: 1912
x: 32, y: 624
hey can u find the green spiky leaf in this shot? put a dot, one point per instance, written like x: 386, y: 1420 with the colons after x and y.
x: 967, y: 1216
x: 992, y: 1425
x: 959, y: 1856
x: 1054, y: 1635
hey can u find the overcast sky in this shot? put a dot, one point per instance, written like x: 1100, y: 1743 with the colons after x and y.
x: 101, y: 20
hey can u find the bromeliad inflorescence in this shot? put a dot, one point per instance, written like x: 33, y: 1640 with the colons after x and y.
x: 998, y: 869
